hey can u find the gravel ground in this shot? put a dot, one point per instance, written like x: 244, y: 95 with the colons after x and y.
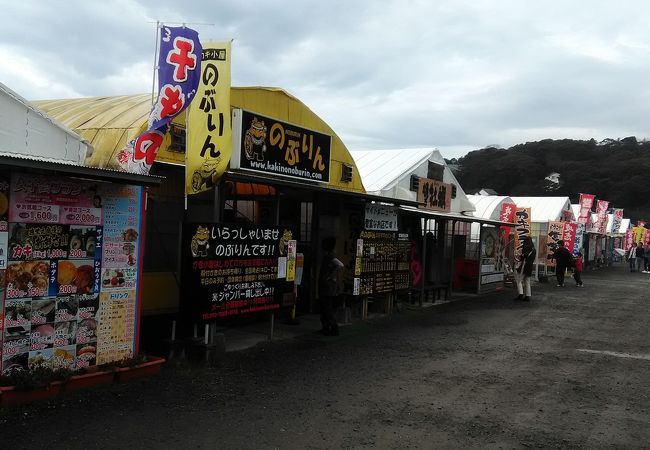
x: 482, y: 373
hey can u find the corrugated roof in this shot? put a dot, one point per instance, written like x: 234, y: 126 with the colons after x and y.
x: 488, y: 206
x: 379, y: 169
x: 544, y: 209
x: 108, y: 123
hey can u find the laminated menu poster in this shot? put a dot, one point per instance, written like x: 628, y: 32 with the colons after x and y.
x: 53, y: 275
x: 116, y: 332
x: 382, y: 262
x: 233, y: 270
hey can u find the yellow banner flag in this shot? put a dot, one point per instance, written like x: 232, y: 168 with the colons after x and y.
x: 209, y: 132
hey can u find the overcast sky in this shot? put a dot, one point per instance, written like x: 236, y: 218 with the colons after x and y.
x: 455, y: 75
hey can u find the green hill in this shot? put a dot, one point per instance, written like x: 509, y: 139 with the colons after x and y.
x: 613, y: 170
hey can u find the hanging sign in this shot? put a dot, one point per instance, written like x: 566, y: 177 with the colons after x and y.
x: 380, y: 217
x: 209, y: 132
x: 434, y: 195
x: 554, y: 235
x: 269, y: 146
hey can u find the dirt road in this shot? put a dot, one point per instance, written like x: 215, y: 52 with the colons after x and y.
x: 569, y: 370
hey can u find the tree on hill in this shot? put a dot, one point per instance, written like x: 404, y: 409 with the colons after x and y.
x: 613, y: 169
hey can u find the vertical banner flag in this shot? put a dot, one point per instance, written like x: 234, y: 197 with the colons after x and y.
x: 555, y: 234
x: 617, y: 219
x: 209, y: 131
x: 507, y: 215
x: 639, y: 234
x: 522, y: 229
x: 629, y: 238
x: 586, y: 203
x: 179, y: 60
x: 601, y: 210
x: 569, y: 234
x: 580, y: 236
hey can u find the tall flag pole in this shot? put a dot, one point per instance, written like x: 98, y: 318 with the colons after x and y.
x: 179, y: 63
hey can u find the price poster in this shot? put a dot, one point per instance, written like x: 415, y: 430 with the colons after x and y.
x: 55, y: 251
x: 233, y: 270
x: 381, y: 263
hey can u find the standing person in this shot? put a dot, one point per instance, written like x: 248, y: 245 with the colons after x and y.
x: 525, y: 269
x: 577, y: 271
x: 563, y: 260
x: 640, y: 257
x: 646, y: 258
x: 328, y: 287
x: 631, y: 256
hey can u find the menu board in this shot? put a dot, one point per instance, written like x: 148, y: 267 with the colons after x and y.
x: 56, y: 233
x: 382, y: 264
x: 233, y: 270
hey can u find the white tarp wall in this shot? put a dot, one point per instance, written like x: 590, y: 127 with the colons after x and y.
x: 26, y: 131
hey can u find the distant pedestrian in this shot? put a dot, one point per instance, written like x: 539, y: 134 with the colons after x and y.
x: 329, y: 281
x: 646, y: 257
x: 525, y: 269
x: 631, y: 257
x: 577, y: 271
x: 563, y: 260
x: 640, y: 258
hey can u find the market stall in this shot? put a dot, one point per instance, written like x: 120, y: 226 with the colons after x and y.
x: 70, y: 248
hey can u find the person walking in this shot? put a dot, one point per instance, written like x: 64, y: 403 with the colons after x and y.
x: 631, y: 257
x: 563, y: 260
x: 328, y: 287
x: 525, y: 269
x: 640, y: 258
x: 577, y: 271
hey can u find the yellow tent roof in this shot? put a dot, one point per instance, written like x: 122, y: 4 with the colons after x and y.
x: 108, y: 123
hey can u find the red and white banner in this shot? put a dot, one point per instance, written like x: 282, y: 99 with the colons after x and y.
x: 629, y: 238
x: 601, y: 210
x: 586, y: 203
x: 617, y: 219
x: 569, y: 234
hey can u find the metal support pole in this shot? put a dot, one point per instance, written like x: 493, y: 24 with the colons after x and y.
x: 453, y: 230
x: 480, y: 256
x: 424, y: 259
x: 272, y: 324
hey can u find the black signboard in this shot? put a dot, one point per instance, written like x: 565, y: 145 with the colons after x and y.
x: 271, y: 146
x: 382, y: 262
x: 233, y: 270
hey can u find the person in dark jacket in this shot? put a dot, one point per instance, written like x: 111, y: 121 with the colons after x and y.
x: 563, y: 260
x: 525, y: 269
x: 328, y: 287
x: 640, y: 257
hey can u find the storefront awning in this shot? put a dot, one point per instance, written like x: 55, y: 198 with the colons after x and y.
x: 54, y: 167
x: 276, y: 181
x: 452, y: 216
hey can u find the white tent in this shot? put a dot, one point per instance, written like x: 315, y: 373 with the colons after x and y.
x: 486, y: 207
x: 545, y: 209
x: 387, y: 173
x: 28, y: 133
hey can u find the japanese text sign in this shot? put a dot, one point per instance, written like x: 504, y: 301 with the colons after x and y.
x: 267, y: 145
x: 434, y: 195
x: 209, y: 131
x: 380, y: 217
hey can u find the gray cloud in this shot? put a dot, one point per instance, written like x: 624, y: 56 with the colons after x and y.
x: 389, y: 74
